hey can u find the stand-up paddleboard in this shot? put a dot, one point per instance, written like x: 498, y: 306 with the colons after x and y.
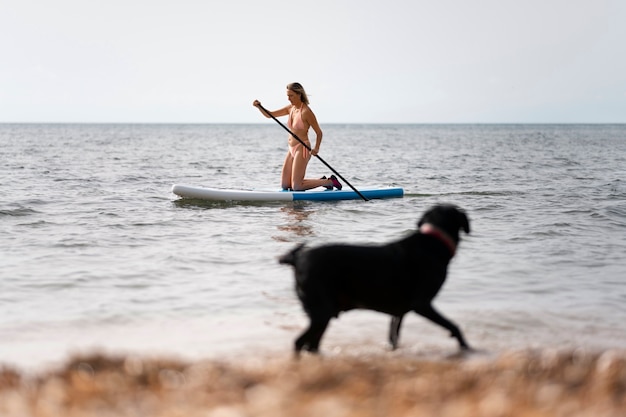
x: 318, y: 194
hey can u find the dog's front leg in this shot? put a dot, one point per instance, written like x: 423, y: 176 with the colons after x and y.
x: 394, y: 331
x: 433, y: 315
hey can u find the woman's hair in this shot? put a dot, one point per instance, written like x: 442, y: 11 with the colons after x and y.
x: 298, y: 89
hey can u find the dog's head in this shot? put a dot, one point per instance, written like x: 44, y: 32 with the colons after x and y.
x: 447, y: 218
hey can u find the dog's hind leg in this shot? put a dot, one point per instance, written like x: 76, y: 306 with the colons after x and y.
x: 310, y: 338
x: 394, y: 331
x: 433, y: 315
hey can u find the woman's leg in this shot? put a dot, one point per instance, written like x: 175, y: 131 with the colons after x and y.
x: 298, y: 182
x: 285, y: 178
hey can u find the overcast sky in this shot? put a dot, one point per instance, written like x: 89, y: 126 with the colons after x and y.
x: 391, y: 61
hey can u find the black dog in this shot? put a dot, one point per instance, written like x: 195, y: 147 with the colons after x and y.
x: 395, y: 278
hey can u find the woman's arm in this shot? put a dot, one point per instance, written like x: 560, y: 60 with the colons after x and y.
x: 309, y: 117
x: 276, y: 113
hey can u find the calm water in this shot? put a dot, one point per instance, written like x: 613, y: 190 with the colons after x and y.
x: 96, y: 253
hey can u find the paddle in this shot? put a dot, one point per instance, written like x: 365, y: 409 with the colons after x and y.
x: 317, y: 156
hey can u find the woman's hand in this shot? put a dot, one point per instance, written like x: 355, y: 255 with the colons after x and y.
x: 256, y: 103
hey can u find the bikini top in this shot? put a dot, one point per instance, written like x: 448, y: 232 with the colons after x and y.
x: 296, y: 122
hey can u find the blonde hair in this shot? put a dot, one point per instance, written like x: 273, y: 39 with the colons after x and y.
x: 298, y: 89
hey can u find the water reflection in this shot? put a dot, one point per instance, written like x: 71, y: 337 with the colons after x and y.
x: 296, y: 224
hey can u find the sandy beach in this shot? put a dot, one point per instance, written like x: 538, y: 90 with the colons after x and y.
x: 515, y: 383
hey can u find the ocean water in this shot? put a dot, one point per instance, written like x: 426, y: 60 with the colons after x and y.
x: 96, y: 253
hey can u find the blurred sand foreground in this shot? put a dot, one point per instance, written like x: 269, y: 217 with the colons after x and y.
x: 523, y: 383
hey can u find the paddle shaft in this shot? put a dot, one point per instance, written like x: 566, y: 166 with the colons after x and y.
x: 309, y: 148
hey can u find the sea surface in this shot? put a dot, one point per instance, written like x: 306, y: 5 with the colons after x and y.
x: 97, y: 254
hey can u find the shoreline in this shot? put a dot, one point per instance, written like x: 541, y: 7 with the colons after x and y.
x: 529, y: 382
x: 272, y: 333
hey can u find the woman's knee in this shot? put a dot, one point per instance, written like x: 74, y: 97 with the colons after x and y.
x: 297, y: 185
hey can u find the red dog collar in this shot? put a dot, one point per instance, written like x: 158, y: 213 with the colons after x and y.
x: 429, y: 229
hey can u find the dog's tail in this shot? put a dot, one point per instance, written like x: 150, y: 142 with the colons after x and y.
x: 290, y: 257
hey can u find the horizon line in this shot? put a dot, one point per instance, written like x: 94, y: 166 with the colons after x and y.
x: 323, y: 124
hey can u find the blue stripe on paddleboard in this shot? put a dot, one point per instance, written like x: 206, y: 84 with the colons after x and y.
x: 347, y: 194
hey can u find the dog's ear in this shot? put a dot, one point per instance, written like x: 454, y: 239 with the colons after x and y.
x: 464, y: 222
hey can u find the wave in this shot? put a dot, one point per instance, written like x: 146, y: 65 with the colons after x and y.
x: 18, y: 212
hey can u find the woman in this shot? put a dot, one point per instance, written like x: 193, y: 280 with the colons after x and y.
x: 301, y: 118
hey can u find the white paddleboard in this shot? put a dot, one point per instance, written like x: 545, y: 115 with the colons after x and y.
x: 318, y: 194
